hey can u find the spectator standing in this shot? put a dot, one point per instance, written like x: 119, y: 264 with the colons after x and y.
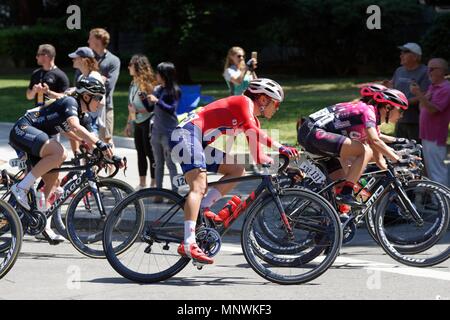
x: 139, y: 116
x: 109, y: 66
x: 237, y: 73
x: 48, y: 81
x: 84, y: 61
x: 166, y: 97
x: 411, y: 70
x: 434, y: 119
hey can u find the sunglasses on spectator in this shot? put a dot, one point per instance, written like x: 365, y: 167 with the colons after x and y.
x: 40, y: 54
x: 405, y: 51
x: 240, y: 56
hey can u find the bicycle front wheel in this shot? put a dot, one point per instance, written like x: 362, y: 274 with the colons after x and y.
x: 316, y: 229
x: 152, y: 254
x: 11, y: 235
x: 85, y: 221
x: 403, y: 238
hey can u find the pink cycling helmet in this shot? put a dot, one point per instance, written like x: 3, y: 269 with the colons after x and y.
x: 392, y: 97
x: 371, y: 89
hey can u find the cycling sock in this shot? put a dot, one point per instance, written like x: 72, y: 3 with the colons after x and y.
x: 27, y: 182
x: 347, y: 188
x: 211, y: 197
x: 189, y: 231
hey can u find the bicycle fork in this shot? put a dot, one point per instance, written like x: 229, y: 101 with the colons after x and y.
x: 282, y: 213
x: 407, y: 204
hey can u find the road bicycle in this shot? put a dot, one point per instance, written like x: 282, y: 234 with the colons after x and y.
x: 153, y: 221
x: 409, y: 214
x: 92, y: 199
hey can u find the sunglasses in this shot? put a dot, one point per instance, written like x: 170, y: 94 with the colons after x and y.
x: 405, y: 51
x: 276, y: 104
x: 40, y: 54
x: 97, y: 98
x: 240, y: 56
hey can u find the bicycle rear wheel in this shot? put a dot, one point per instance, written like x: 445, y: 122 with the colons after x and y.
x: 85, y: 223
x: 152, y: 255
x: 317, y: 230
x: 11, y: 235
x: 405, y: 240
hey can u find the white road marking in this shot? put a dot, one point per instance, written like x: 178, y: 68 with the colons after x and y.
x: 376, y: 266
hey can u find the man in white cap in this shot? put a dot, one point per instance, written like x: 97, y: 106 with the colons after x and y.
x: 412, y: 70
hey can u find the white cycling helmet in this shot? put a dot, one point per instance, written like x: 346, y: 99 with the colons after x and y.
x: 267, y: 87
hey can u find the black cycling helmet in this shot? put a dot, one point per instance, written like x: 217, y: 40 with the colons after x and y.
x: 91, y: 86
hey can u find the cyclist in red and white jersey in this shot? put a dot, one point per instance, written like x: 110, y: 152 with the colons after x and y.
x: 191, y: 141
x: 349, y: 131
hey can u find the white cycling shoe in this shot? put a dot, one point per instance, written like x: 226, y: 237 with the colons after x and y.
x: 51, y: 234
x: 21, y: 196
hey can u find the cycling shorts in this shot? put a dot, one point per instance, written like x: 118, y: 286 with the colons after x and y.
x: 318, y: 141
x: 26, y: 138
x: 191, y: 152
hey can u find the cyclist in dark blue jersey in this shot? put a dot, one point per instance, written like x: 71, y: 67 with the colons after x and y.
x: 30, y: 134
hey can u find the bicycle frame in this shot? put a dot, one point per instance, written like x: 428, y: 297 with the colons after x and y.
x: 265, y: 185
x: 69, y: 189
x: 379, y: 183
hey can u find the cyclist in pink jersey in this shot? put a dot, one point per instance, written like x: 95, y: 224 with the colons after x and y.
x: 349, y: 131
x: 191, y: 141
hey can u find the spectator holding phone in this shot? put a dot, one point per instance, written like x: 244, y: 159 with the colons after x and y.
x: 237, y: 72
x: 165, y: 98
x: 434, y: 119
x: 411, y: 70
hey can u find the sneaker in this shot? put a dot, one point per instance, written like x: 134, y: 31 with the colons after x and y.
x: 348, y: 199
x: 21, y: 196
x: 194, y: 252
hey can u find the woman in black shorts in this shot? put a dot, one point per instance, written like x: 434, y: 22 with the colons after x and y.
x: 30, y: 134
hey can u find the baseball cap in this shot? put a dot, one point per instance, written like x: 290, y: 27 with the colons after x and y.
x: 83, y: 52
x: 413, y: 47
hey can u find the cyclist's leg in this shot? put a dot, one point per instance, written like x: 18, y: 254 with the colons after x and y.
x: 229, y: 171
x: 361, y: 154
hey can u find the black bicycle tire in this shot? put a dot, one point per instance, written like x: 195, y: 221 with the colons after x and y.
x: 17, y: 231
x: 111, y: 255
x: 71, y: 232
x: 400, y: 257
x: 326, y: 263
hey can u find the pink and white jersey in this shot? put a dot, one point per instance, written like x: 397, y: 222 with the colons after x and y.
x: 350, y: 119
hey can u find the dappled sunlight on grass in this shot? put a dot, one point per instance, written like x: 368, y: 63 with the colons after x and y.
x: 321, y: 87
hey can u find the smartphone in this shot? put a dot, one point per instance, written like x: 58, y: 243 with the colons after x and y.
x: 255, y: 55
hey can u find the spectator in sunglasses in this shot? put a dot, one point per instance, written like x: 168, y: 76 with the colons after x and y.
x: 237, y: 72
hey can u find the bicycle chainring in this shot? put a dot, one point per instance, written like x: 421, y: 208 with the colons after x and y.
x: 35, y: 222
x: 209, y: 241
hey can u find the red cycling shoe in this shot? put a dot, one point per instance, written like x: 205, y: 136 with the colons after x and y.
x: 194, y: 252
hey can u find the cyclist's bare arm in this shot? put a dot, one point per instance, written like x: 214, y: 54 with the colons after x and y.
x: 377, y: 144
x: 387, y: 139
x: 84, y: 134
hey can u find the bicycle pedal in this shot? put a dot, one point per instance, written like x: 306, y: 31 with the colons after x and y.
x: 148, y: 249
x: 199, y: 265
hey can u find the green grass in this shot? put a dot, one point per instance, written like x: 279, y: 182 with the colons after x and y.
x: 303, y: 96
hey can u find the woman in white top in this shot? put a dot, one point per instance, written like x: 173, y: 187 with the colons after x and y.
x: 237, y: 73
